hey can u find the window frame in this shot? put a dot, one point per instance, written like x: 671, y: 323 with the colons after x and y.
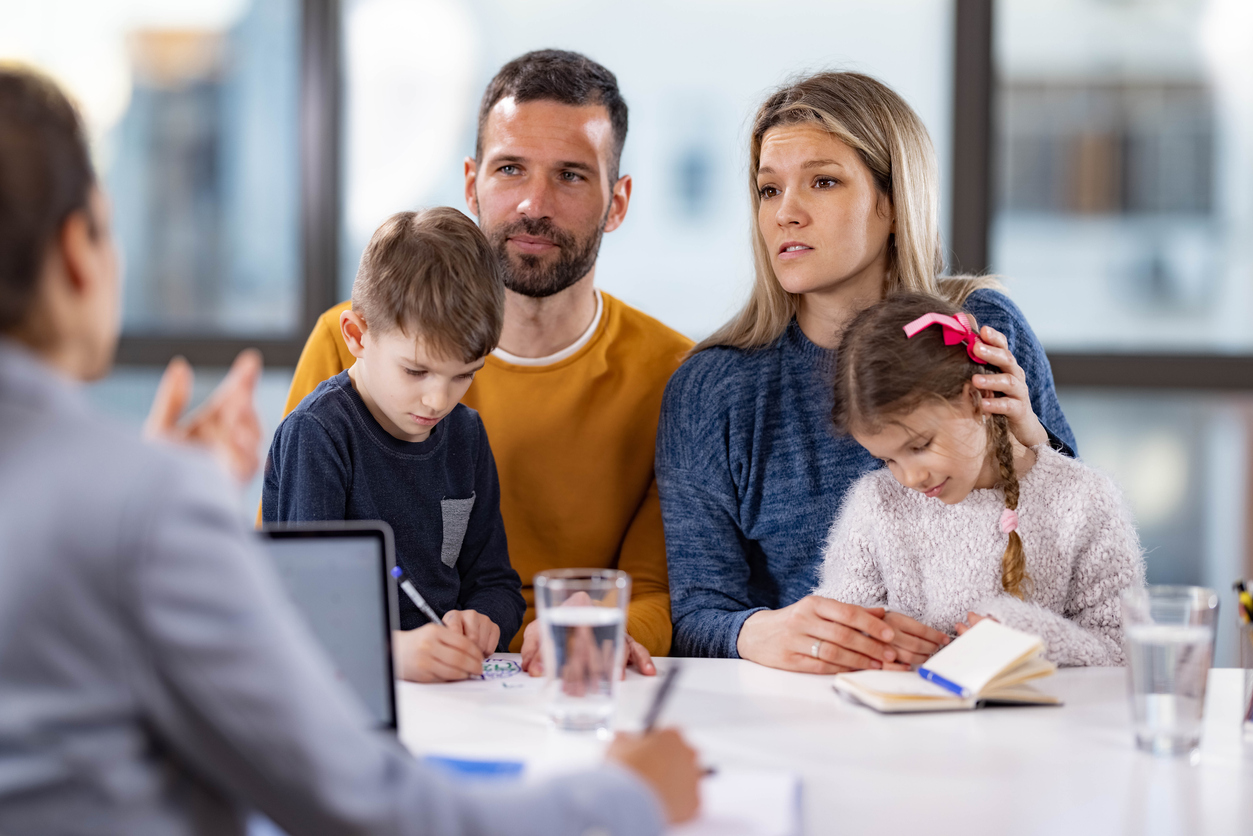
x: 974, y: 149
x: 974, y: 95
x: 319, y: 210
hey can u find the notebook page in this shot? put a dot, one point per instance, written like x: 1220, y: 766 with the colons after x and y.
x: 897, y: 684
x: 984, y: 651
x: 742, y: 802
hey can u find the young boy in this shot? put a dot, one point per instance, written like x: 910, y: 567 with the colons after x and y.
x: 388, y: 439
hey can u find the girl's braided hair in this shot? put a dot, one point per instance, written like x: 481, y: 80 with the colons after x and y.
x: 881, y: 374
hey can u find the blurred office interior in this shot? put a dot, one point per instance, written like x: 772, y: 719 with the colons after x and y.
x: 1095, y: 154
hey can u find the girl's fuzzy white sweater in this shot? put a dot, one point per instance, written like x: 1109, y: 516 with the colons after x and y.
x: 894, y: 547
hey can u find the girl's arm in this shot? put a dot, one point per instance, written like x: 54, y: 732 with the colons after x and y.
x: 1108, y: 560
x: 1067, y: 641
x: 849, y: 571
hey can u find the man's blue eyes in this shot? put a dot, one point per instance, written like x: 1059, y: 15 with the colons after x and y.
x: 568, y: 176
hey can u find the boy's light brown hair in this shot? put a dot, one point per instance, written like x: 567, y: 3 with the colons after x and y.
x: 431, y: 275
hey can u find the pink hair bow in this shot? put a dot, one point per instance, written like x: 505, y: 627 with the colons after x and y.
x: 955, y: 331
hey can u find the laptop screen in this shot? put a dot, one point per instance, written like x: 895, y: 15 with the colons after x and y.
x: 338, y: 580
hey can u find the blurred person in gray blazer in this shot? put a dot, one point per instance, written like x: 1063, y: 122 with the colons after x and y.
x: 153, y: 678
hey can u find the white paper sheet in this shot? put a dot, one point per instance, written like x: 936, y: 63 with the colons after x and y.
x: 741, y: 802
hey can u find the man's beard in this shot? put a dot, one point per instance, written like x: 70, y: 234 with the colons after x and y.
x: 527, y: 274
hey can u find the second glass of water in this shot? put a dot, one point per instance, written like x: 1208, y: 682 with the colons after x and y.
x: 582, y: 615
x: 1168, y: 632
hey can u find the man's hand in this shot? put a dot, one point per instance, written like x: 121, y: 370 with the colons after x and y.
x: 914, y: 642
x: 636, y: 654
x: 226, y: 424
x: 667, y: 764
x: 434, y: 653
x: 476, y: 627
x: 638, y: 657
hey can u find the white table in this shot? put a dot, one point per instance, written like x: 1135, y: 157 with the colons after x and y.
x: 1040, y: 770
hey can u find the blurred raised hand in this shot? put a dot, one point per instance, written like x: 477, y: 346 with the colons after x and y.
x: 226, y: 424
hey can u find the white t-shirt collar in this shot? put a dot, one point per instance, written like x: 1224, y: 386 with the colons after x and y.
x: 568, y: 351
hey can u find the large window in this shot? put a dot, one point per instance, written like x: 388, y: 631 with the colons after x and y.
x: 693, y: 73
x: 1123, y: 186
x: 192, y: 109
x: 1120, y: 209
x: 1098, y: 154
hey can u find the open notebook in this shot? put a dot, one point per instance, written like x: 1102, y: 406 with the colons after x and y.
x: 988, y: 664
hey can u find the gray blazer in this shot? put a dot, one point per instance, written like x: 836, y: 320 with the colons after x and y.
x: 154, y: 679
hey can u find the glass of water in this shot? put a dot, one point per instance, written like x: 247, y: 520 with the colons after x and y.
x: 582, y: 616
x: 1168, y: 632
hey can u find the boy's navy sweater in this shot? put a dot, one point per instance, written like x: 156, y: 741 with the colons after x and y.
x: 752, y: 474
x: 331, y: 460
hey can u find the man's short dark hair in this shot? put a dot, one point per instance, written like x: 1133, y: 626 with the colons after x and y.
x: 555, y: 75
x: 45, y: 176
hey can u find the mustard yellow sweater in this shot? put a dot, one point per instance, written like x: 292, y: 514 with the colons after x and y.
x: 574, y: 445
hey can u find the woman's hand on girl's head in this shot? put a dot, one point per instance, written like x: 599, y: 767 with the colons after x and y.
x: 1012, y: 384
x: 914, y: 642
x: 818, y: 635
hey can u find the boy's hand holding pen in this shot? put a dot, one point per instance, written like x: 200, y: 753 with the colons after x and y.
x: 449, y: 648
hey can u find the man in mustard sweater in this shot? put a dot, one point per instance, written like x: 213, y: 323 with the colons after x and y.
x: 571, y: 398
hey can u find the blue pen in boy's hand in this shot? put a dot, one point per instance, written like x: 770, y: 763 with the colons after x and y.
x: 415, y: 596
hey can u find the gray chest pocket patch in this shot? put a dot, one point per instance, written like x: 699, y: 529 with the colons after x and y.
x: 456, y: 514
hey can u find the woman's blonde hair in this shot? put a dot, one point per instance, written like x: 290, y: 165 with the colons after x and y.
x: 891, y: 140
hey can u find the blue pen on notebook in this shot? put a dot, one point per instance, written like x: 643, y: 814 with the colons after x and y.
x: 932, y: 676
x: 415, y: 596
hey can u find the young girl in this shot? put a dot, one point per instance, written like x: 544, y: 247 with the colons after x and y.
x: 965, y: 522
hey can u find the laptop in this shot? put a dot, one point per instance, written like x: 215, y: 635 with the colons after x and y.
x: 337, y: 574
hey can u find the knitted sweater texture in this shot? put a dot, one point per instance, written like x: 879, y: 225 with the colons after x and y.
x: 752, y: 473
x: 894, y: 547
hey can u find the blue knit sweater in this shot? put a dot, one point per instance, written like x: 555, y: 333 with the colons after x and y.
x: 752, y: 474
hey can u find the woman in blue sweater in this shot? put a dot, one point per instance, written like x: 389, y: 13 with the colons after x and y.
x: 843, y: 180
